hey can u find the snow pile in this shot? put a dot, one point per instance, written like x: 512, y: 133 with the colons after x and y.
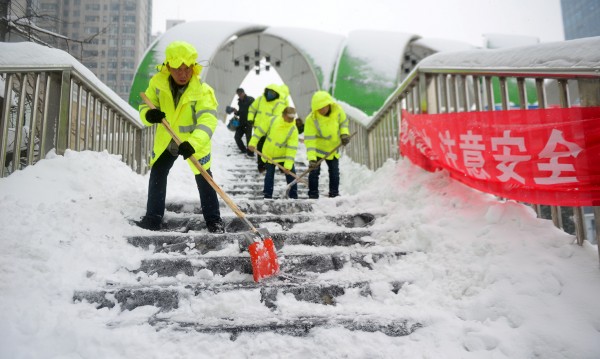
x: 487, y: 278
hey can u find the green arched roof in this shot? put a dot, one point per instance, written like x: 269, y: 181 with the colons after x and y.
x: 362, y: 69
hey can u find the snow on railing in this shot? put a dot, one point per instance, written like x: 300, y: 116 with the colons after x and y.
x: 564, y: 75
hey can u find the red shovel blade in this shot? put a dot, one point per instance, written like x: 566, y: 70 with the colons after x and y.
x: 264, y: 259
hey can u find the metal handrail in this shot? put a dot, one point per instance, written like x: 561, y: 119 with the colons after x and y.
x: 63, y: 108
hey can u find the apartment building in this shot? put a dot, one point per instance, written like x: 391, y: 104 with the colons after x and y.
x: 580, y: 18
x: 108, y: 36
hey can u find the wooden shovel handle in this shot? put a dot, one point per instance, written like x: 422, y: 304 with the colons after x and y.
x: 285, y: 170
x: 205, y: 174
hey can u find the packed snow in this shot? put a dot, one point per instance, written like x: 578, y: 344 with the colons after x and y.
x: 487, y: 279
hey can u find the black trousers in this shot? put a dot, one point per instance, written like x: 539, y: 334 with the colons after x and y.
x: 157, y: 190
x: 245, y: 129
x: 259, y: 146
x: 334, y: 179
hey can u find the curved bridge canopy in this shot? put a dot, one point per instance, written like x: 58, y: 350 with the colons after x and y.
x: 362, y: 69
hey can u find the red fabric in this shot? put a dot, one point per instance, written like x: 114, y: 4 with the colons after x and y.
x: 544, y: 156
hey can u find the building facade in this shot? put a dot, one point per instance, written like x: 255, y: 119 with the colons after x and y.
x: 107, y: 36
x: 580, y: 18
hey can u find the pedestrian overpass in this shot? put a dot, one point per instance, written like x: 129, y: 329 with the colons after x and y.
x: 52, y: 101
x: 361, y: 69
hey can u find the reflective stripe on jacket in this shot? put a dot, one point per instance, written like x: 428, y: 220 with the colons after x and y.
x: 281, y: 143
x: 322, y: 133
x: 193, y: 120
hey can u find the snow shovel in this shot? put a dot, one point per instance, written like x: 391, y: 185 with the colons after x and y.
x: 285, y: 170
x: 261, y: 248
x: 289, y: 186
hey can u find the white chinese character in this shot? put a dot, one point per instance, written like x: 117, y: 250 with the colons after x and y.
x: 447, y: 144
x: 472, y: 155
x: 509, y: 161
x: 553, y: 154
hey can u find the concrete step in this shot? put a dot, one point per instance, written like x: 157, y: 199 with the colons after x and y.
x: 300, y: 326
x: 300, y: 263
x: 288, y: 206
x: 234, y: 224
x: 204, y: 243
x: 167, y: 297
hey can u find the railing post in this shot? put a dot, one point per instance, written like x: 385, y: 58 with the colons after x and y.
x: 64, y: 109
x: 4, y: 125
x: 597, y: 222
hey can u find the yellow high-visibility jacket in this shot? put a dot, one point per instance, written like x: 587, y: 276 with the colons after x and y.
x: 322, y: 133
x: 262, y: 113
x: 193, y: 120
x: 281, y: 143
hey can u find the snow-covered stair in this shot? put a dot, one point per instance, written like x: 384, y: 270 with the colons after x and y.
x: 326, y: 260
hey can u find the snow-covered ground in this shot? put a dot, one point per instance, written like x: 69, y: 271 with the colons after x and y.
x: 488, y: 279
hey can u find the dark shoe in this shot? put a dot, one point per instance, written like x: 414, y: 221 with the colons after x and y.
x: 261, y: 169
x: 249, y: 153
x: 332, y: 195
x: 216, y: 227
x: 152, y: 223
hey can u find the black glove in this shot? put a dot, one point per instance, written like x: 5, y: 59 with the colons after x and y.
x: 345, y: 139
x: 154, y: 115
x: 185, y: 150
x: 312, y: 164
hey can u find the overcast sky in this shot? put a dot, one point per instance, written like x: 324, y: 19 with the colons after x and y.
x: 464, y: 20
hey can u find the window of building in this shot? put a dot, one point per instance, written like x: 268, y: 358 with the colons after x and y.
x: 94, y: 7
x: 91, y: 30
x: 129, y: 18
x: 111, y: 65
x: 115, y: 7
x: 90, y: 53
x: 128, y: 30
x: 126, y: 77
x: 92, y: 18
x: 49, y: 7
x: 129, y: 5
x: 128, y: 42
x: 113, y: 52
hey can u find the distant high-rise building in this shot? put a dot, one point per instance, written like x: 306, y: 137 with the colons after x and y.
x: 108, y: 36
x: 580, y: 18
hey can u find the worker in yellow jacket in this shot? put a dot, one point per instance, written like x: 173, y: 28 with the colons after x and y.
x: 263, y: 111
x: 281, y: 145
x: 189, y: 105
x: 325, y: 128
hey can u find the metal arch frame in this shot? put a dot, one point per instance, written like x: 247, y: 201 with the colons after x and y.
x: 224, y: 91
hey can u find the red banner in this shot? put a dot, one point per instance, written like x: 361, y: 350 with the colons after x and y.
x: 544, y: 156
